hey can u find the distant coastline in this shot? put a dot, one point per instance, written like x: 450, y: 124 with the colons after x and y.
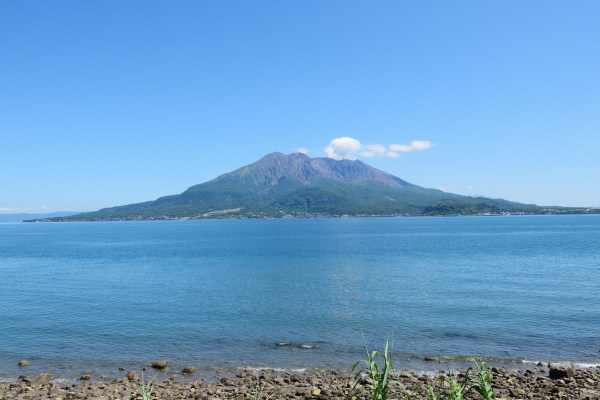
x: 20, y: 217
x: 238, y: 214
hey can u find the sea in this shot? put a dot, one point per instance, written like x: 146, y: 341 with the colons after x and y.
x: 90, y: 297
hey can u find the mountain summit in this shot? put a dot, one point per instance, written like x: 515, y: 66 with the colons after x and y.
x: 295, y: 185
x: 275, y: 167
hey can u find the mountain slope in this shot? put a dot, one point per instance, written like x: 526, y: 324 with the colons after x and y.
x: 296, y: 185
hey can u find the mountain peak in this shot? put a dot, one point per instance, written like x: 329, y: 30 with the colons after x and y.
x: 276, y: 167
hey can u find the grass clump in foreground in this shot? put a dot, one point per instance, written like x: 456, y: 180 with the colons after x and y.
x: 482, y: 383
x: 258, y: 392
x: 145, y: 388
x: 382, y: 384
x: 379, y: 370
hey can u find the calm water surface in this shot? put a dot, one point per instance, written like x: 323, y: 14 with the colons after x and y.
x: 93, y: 296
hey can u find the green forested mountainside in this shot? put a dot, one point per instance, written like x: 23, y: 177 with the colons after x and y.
x: 296, y: 185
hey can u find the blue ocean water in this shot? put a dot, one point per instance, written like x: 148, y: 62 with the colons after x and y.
x: 93, y: 296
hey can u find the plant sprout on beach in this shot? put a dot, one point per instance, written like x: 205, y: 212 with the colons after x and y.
x: 452, y: 386
x: 379, y: 370
x: 145, y: 388
x: 258, y: 392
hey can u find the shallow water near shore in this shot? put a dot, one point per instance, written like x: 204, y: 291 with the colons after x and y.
x: 79, y: 297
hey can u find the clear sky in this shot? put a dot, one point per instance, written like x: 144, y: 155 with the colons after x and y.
x: 106, y: 103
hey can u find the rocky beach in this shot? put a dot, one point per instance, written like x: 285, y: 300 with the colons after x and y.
x: 542, y: 381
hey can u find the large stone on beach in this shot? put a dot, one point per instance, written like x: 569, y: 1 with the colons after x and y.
x: 561, y: 370
x: 188, y: 371
x: 227, y: 381
x: 132, y: 376
x: 23, y: 363
x: 159, y: 364
x: 43, y: 378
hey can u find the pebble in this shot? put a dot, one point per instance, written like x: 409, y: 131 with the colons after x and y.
x: 132, y: 376
x: 159, y: 364
x: 188, y: 371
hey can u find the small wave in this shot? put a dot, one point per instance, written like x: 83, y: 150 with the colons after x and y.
x: 576, y: 364
x: 277, y: 369
x: 531, y: 362
x: 587, y: 365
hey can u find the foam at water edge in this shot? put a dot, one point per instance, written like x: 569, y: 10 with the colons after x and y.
x: 576, y: 364
x: 296, y: 370
x: 531, y: 362
x: 587, y: 365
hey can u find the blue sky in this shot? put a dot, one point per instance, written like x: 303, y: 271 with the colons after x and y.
x: 105, y: 103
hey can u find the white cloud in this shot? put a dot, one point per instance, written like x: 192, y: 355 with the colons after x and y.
x: 445, y: 189
x: 469, y: 187
x: 414, y: 145
x: 349, y: 148
x: 372, y: 150
x: 343, y: 148
x: 302, y: 150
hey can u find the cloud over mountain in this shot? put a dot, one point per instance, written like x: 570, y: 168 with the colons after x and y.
x: 414, y: 145
x: 347, y: 148
x: 344, y: 148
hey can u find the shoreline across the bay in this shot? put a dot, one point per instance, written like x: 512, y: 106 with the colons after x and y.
x: 552, y: 381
